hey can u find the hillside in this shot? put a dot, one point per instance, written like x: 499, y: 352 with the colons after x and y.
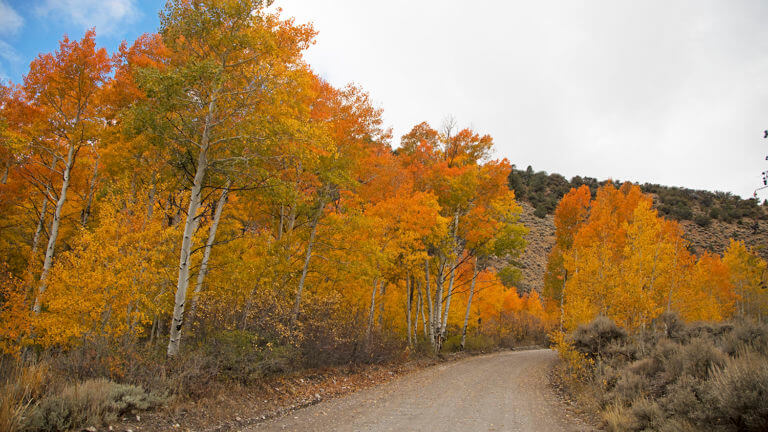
x: 709, y: 219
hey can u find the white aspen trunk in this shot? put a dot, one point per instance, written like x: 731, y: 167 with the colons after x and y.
x: 430, y: 308
x: 151, y: 200
x: 448, y: 299
x: 43, y: 212
x: 190, y: 226
x: 438, y: 308
x: 291, y: 219
x: 420, y: 311
x: 371, y: 312
x: 417, y: 311
x: 408, y: 307
x: 207, y: 252
x: 40, y: 223
x: 288, y: 235
x: 30, y: 291
x: 562, y: 301
x: 297, y: 305
x: 86, y: 213
x: 453, y: 275
x: 469, y: 306
x: 382, y: 291
x: 54, y: 233
x: 6, y: 171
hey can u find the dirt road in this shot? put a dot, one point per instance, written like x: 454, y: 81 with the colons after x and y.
x: 505, y: 391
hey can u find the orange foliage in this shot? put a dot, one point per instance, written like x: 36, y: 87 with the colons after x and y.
x: 615, y: 256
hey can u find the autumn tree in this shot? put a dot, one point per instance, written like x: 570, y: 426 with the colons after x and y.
x: 231, y: 64
x: 455, y: 166
x: 615, y: 256
x: 571, y: 212
x: 748, y: 277
x: 65, y: 87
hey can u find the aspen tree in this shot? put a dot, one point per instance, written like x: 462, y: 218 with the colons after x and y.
x: 65, y: 86
x: 230, y: 63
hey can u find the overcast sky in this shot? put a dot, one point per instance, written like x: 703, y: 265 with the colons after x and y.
x: 670, y: 92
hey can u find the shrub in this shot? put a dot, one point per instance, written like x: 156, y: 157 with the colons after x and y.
x: 540, y: 212
x: 617, y: 418
x: 578, y: 364
x: 479, y: 342
x: 592, y: 338
x: 683, y: 378
x: 688, y: 400
x: 740, y: 389
x: 646, y: 415
x: 747, y: 335
x: 93, y: 402
x: 699, y: 357
x: 672, y: 326
x: 702, y: 220
x: 709, y: 331
x: 630, y: 386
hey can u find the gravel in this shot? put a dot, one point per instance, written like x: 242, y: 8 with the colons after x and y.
x: 506, y: 391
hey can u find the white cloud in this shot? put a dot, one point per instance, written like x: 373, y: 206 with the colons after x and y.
x: 8, y: 57
x: 10, y: 20
x: 106, y: 15
x: 7, y: 53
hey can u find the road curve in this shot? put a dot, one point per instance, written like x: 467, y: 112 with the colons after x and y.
x: 506, y: 391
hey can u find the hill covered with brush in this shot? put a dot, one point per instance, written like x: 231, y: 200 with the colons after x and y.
x: 709, y: 219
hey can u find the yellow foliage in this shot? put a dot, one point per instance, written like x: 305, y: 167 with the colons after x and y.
x: 629, y: 264
x: 112, y: 283
x: 579, y: 365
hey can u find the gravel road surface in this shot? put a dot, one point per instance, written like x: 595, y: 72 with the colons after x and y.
x: 506, y: 391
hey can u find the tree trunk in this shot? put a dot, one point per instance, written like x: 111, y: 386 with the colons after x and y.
x: 430, y: 308
x: 408, y: 307
x: 86, y: 213
x: 438, y: 308
x: 420, y: 309
x: 448, y: 299
x: 30, y: 290
x: 207, y: 252
x: 297, y: 305
x: 41, y: 218
x: 371, y: 312
x: 453, y: 275
x: 469, y: 306
x: 151, y: 199
x: 6, y: 170
x: 281, y: 224
x: 562, y: 301
x: 190, y: 226
x: 40, y: 224
x: 54, y: 233
x: 417, y: 311
x: 382, y: 291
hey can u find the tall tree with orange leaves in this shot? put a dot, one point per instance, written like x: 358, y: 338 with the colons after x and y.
x: 571, y: 212
x: 65, y: 87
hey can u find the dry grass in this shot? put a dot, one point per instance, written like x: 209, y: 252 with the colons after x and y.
x: 22, y: 385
